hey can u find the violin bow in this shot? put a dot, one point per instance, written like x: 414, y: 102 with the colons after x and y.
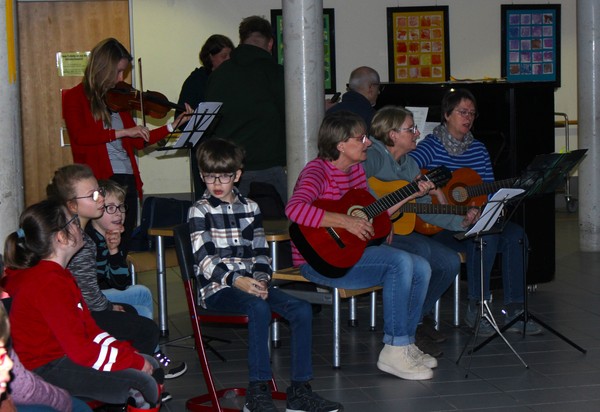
x: 141, y: 92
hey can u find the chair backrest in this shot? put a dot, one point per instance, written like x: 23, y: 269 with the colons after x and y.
x: 183, y: 249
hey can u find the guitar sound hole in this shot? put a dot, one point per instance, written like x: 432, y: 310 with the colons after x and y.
x: 358, y: 212
x: 459, y: 194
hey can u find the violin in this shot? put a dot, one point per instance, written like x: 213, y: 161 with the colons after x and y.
x: 124, y: 97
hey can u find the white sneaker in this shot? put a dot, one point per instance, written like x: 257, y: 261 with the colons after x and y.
x: 420, y: 356
x: 397, y: 361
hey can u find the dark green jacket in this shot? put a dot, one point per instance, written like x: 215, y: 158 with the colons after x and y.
x: 250, y: 85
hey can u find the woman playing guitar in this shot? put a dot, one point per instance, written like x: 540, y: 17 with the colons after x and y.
x: 395, y: 135
x: 326, y: 180
x: 452, y: 144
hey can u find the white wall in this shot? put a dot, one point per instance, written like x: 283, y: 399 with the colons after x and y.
x: 168, y: 35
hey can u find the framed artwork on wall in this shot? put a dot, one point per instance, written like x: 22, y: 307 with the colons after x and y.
x: 418, y: 44
x: 328, y: 44
x: 531, y: 43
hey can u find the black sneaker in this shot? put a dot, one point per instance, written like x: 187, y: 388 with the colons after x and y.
x: 165, y: 397
x: 258, y: 398
x: 302, y: 399
x: 428, y: 329
x: 172, y: 369
x: 428, y: 346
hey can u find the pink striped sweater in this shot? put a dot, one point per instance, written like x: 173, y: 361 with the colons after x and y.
x: 320, y: 179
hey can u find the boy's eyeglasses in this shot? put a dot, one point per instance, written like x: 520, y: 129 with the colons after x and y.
x: 223, y: 179
x: 112, y: 209
x: 74, y: 219
x: 94, y: 196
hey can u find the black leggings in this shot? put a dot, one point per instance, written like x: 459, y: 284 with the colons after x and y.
x: 140, y: 331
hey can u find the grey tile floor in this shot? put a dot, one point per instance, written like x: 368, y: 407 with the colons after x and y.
x: 558, y: 378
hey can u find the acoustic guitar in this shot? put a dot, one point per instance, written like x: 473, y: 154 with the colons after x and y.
x: 465, y: 188
x: 333, y: 251
x: 406, y: 219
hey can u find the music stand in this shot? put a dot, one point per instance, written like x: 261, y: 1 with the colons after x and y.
x: 545, y: 173
x: 194, y: 130
x: 486, y: 225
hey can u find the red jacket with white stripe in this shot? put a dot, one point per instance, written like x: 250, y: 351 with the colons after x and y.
x: 49, y: 320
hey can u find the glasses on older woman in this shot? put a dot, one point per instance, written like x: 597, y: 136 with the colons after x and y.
x: 466, y: 114
x: 362, y: 138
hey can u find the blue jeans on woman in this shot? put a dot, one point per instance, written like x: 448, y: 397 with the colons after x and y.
x: 509, y: 242
x: 298, y: 313
x: 444, y: 262
x: 404, y: 278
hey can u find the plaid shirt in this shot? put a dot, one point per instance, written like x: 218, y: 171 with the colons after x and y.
x: 228, y: 241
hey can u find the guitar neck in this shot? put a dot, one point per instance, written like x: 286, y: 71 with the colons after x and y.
x: 489, y: 187
x: 436, y: 209
x: 390, y: 200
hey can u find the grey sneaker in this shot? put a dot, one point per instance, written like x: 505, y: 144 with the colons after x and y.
x: 531, y: 329
x: 485, y: 328
x: 301, y: 398
x: 258, y: 398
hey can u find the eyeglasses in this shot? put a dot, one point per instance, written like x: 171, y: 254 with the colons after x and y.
x: 413, y: 129
x: 74, y: 219
x: 3, y: 356
x: 94, y: 196
x: 112, y: 209
x: 467, y: 113
x: 223, y: 179
x: 362, y: 138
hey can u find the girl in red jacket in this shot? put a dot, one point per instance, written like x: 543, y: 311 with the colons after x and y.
x: 105, y: 140
x: 52, y: 329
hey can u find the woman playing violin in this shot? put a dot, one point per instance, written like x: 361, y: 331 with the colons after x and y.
x: 106, y: 140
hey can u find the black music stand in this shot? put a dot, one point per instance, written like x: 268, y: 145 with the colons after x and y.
x: 487, y: 225
x: 544, y: 175
x: 194, y: 130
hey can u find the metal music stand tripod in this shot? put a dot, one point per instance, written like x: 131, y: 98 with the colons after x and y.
x: 486, y: 225
x: 545, y: 173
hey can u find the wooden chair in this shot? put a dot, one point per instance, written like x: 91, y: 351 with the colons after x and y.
x: 198, y: 316
x: 293, y: 274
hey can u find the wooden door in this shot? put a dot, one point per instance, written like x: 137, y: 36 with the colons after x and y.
x: 45, y: 28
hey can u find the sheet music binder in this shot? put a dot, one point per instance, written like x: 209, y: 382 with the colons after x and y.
x: 194, y: 130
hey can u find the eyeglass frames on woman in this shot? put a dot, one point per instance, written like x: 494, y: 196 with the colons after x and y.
x: 94, y: 196
x: 223, y: 179
x: 414, y: 129
x: 362, y: 138
x: 74, y: 219
x: 112, y: 209
x: 466, y: 114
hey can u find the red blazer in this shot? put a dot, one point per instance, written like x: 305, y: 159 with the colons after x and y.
x: 89, y: 137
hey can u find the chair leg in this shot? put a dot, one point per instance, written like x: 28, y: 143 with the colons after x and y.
x: 373, y: 310
x: 336, y: 328
x: 133, y: 274
x: 457, y: 300
x: 352, y: 321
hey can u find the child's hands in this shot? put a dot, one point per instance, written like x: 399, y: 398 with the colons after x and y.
x: 113, y: 239
x: 252, y: 286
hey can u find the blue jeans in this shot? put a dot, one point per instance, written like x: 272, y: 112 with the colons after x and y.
x: 510, y: 244
x: 138, y: 296
x: 404, y: 278
x: 299, y: 315
x: 444, y: 262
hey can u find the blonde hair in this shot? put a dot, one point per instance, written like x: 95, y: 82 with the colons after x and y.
x: 100, y: 74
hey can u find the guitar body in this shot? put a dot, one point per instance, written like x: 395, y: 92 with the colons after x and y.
x: 465, y: 188
x: 405, y: 223
x: 333, y: 251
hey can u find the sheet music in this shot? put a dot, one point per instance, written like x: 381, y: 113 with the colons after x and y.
x: 203, y: 116
x: 491, y: 211
x: 420, y: 118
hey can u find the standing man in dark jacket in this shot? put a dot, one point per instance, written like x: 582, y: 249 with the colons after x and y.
x: 251, y: 87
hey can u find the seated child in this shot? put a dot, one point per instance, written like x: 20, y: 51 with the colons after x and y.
x: 234, y: 272
x: 54, y: 333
